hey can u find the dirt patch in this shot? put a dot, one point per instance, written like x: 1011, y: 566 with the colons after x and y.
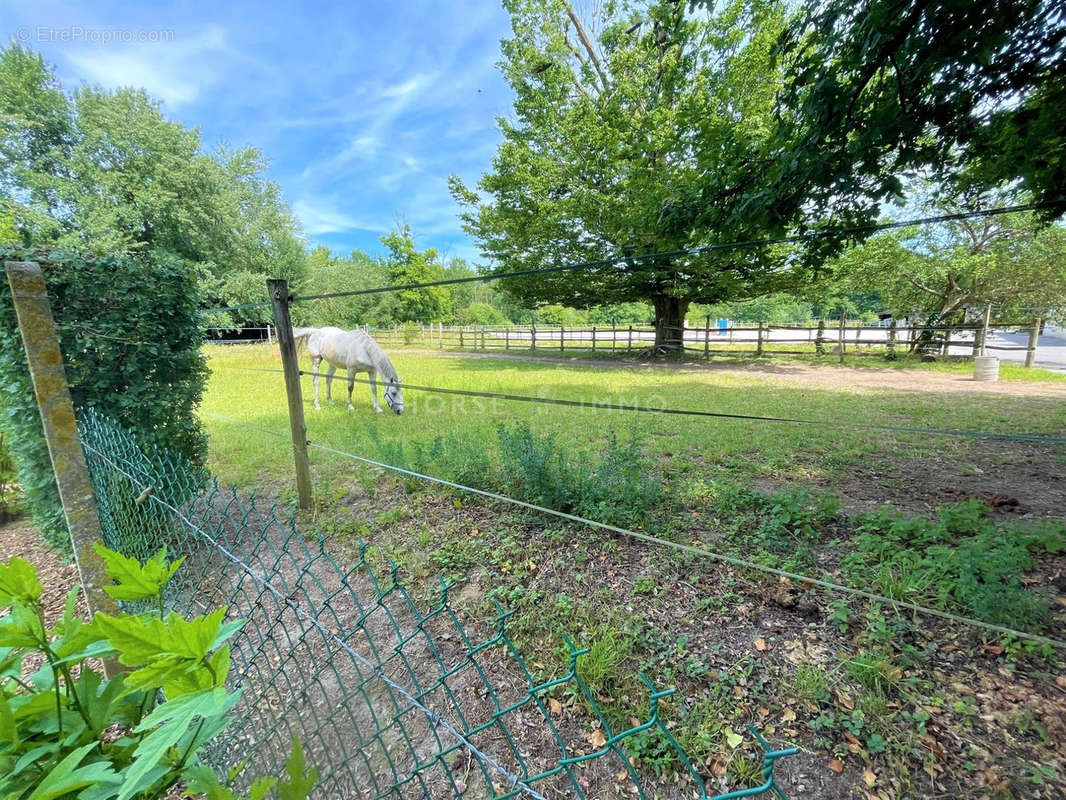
x: 828, y: 376
x: 1014, y: 479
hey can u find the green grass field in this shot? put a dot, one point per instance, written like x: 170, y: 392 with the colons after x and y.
x: 683, y: 445
x: 844, y: 679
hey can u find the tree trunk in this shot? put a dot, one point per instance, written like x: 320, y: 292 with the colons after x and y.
x: 670, y: 322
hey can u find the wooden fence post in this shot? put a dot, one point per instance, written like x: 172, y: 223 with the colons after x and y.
x: 614, y: 335
x: 507, y: 338
x: 461, y: 343
x: 533, y: 336
x: 1034, y: 337
x: 842, y: 345
x: 891, y: 348
x: 37, y: 327
x: 593, y: 338
x: 819, y: 339
x: 758, y: 340
x: 562, y: 337
x: 278, y: 289
x: 707, y: 337
x: 629, y: 344
x: 482, y: 337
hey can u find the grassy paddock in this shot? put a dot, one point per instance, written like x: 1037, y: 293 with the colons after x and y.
x: 854, y: 684
x: 684, y: 446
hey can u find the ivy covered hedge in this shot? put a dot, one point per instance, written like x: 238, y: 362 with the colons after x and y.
x: 129, y: 329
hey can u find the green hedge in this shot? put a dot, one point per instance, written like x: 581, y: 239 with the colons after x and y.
x: 129, y: 330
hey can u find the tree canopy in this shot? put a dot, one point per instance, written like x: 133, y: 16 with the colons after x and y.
x: 877, y: 88
x: 1012, y: 261
x: 97, y: 172
x: 618, y: 122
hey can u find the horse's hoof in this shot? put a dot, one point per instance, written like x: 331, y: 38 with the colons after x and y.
x: 351, y: 408
x: 378, y: 410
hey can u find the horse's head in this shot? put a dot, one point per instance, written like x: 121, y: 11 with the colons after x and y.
x: 394, y: 395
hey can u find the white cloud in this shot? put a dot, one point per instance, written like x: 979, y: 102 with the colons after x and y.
x: 318, y: 218
x: 174, y: 71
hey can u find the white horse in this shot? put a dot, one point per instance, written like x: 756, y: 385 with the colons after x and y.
x: 356, y: 352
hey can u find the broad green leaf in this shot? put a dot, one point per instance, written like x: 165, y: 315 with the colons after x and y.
x: 732, y: 738
x: 8, y: 729
x: 202, y: 780
x: 227, y: 630
x: 31, y: 756
x: 173, y: 718
x: 67, y: 776
x: 194, y: 638
x: 137, y: 581
x: 260, y: 789
x: 18, y: 581
x: 138, y: 641
x: 299, y: 783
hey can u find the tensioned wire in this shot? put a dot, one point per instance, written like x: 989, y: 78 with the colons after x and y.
x: 1035, y: 438
x: 688, y: 251
x: 515, y: 781
x: 691, y: 549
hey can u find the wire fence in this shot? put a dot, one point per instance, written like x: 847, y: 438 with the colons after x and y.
x: 714, y: 337
x: 389, y: 700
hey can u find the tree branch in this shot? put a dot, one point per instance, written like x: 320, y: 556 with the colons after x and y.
x: 587, y: 44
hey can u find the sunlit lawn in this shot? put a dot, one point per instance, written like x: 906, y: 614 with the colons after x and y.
x: 682, y: 445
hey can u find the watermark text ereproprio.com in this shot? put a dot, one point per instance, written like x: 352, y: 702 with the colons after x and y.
x: 77, y: 33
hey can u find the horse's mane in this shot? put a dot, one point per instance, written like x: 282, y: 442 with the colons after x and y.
x: 381, y: 361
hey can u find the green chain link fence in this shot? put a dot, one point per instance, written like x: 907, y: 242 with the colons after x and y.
x: 389, y: 700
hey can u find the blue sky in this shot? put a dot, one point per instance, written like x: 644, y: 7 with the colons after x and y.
x: 363, y: 108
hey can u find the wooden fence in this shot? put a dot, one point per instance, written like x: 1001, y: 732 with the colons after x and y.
x: 836, y: 337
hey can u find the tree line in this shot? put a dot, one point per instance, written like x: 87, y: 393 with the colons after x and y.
x: 638, y: 128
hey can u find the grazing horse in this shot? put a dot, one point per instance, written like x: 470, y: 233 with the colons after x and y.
x: 356, y: 352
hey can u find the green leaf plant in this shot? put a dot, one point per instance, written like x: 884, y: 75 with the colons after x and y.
x: 69, y: 731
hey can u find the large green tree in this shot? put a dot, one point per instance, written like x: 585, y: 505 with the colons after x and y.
x: 95, y: 171
x: 406, y: 265
x: 621, y: 120
x: 1011, y: 261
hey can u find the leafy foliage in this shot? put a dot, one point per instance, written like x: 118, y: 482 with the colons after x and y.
x: 131, y: 355
x: 96, y: 172
x: 879, y: 88
x: 69, y: 731
x: 621, y: 120
x: 1005, y: 261
x: 963, y: 559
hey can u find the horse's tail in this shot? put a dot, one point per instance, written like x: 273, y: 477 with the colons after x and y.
x: 302, y: 333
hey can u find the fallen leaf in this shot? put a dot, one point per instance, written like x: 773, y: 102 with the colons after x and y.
x: 732, y: 738
x: 1060, y: 681
x: 869, y: 777
x: 788, y: 715
x: 761, y: 645
x: 555, y: 707
x: 845, y: 701
x: 836, y: 765
x: 597, y: 738
x: 994, y: 649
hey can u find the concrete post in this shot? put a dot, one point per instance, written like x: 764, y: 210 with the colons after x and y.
x: 60, y: 430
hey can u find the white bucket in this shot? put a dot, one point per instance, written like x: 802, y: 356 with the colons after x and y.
x: 986, y: 368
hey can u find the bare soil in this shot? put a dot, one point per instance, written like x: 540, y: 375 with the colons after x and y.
x: 828, y: 376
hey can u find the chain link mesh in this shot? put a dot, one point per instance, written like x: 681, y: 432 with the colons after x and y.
x: 388, y: 699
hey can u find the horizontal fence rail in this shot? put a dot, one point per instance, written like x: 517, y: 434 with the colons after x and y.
x: 711, y: 339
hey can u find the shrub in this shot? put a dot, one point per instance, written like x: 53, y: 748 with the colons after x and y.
x: 69, y: 731
x: 130, y: 335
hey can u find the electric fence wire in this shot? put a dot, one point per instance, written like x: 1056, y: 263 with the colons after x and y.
x: 515, y: 781
x: 656, y: 540
x: 1034, y: 438
x: 688, y: 251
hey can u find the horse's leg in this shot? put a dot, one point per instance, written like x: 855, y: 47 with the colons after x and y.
x: 329, y: 382
x: 315, y: 361
x: 351, y: 385
x: 374, y: 390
